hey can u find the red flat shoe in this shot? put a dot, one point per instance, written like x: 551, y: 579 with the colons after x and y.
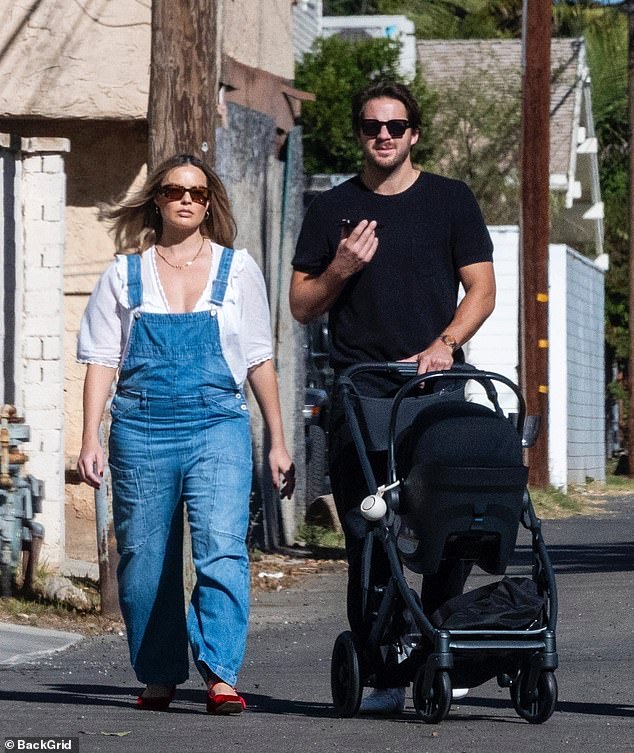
x: 155, y: 703
x: 224, y: 703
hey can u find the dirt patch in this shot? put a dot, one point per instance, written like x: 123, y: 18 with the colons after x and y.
x: 269, y: 572
x: 37, y: 614
x: 275, y: 572
x: 81, y: 534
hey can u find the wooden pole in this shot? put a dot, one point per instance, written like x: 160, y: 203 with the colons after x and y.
x: 182, y: 110
x: 107, y: 555
x: 183, y: 79
x: 534, y: 225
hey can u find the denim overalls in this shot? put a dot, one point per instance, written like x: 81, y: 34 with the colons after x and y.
x: 180, y: 434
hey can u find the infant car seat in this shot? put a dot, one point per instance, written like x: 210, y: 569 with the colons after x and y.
x: 463, y: 483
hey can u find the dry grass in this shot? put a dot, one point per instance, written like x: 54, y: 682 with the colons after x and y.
x: 588, y: 499
x: 269, y: 572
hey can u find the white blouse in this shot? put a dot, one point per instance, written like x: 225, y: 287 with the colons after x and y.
x: 243, y: 319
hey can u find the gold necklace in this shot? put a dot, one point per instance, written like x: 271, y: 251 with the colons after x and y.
x: 186, y: 264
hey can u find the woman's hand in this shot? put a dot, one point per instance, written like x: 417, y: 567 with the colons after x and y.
x: 282, y: 472
x: 90, y: 463
x: 97, y: 383
x: 263, y: 381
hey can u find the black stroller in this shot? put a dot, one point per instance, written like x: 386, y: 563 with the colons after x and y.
x: 456, y: 488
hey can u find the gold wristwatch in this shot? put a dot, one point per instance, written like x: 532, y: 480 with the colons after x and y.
x: 450, y: 341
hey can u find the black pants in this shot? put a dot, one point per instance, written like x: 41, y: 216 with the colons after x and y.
x: 349, y: 488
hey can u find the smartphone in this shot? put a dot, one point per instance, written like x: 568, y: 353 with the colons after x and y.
x: 346, y: 228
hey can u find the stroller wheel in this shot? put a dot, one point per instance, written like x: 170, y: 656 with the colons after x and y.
x: 435, y: 707
x: 540, y: 706
x: 345, y: 675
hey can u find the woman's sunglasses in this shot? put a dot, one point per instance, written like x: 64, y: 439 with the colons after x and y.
x: 372, y: 128
x: 174, y: 192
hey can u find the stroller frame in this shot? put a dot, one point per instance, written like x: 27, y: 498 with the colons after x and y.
x: 525, y: 659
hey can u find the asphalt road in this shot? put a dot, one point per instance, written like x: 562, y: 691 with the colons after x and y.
x: 87, y: 690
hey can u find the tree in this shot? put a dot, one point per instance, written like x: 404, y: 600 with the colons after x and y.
x: 606, y: 40
x: 630, y: 131
x: 479, y: 134
x: 350, y: 7
x: 607, y: 43
x: 459, y: 19
x: 334, y: 70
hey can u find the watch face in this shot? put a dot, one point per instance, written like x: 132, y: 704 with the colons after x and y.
x: 449, y: 341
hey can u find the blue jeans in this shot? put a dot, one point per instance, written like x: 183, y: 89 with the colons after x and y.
x: 166, y: 452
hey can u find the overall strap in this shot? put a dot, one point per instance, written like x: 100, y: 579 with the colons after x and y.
x: 135, y: 286
x: 219, y: 287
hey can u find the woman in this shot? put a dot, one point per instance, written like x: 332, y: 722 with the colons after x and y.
x: 184, y: 320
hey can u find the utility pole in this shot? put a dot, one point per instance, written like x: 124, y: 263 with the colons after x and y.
x: 183, y: 79
x: 630, y: 376
x: 534, y: 225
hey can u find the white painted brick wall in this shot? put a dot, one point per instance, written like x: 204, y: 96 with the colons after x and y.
x: 39, y: 279
x: 32, y: 347
x: 41, y: 383
x: 40, y: 324
x: 52, y: 349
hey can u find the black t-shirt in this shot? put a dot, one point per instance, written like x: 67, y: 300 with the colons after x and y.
x: 405, y: 297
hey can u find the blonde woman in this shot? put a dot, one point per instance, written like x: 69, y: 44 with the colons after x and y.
x: 180, y: 319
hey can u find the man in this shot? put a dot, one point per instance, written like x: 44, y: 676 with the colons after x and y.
x: 390, y: 287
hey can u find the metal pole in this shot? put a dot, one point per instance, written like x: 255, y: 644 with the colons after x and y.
x: 534, y: 225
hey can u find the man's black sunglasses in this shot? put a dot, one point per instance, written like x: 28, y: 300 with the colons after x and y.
x: 396, y: 128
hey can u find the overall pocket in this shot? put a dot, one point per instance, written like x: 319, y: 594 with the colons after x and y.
x: 128, y: 508
x: 122, y: 404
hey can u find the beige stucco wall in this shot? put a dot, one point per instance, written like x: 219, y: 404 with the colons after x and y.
x: 95, y: 174
x: 62, y: 59
x: 66, y: 59
x: 259, y: 33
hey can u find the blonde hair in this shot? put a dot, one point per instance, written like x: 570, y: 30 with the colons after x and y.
x: 136, y: 223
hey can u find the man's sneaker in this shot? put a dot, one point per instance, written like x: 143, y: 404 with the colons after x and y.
x: 384, y: 701
x: 458, y: 693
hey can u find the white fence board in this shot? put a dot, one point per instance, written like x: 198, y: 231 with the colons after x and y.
x: 577, y: 443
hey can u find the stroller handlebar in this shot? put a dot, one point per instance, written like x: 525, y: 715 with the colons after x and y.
x: 415, y: 381
x: 463, y: 371
x: 403, y: 368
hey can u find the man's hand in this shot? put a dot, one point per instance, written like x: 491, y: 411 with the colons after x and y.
x: 311, y: 296
x: 356, y: 249
x: 438, y: 357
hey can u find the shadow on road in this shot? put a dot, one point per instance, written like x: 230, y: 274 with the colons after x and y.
x: 565, y: 707
x: 584, y: 558
x: 119, y: 697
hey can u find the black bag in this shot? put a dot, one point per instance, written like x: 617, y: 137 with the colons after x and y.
x: 508, y: 604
